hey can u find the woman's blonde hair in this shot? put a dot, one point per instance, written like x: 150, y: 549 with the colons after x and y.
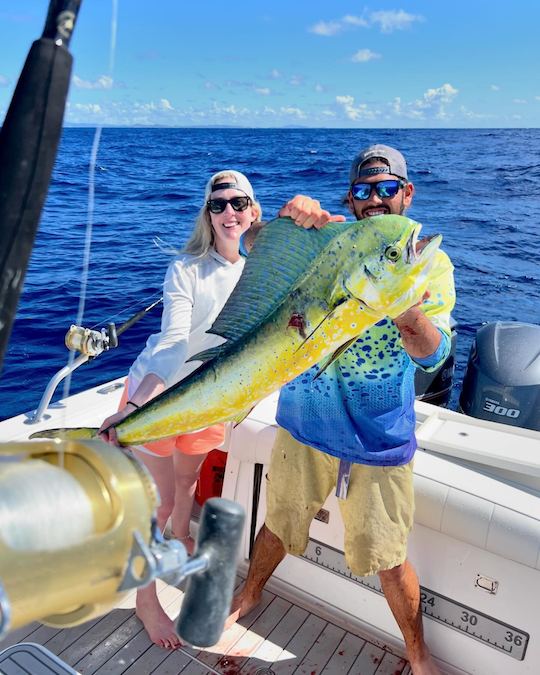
x: 202, y: 237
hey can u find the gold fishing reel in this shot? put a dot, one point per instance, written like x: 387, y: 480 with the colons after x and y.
x: 78, y: 530
x: 68, y: 516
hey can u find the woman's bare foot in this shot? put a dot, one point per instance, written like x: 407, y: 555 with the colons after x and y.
x: 158, y: 625
x: 186, y: 541
x: 241, y: 604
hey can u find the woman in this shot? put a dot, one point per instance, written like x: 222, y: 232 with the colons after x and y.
x: 197, y: 285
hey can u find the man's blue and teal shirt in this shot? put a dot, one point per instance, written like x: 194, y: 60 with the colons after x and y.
x: 361, y: 408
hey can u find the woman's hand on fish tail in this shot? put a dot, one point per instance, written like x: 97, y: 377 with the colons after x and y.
x: 307, y: 212
x: 107, y: 431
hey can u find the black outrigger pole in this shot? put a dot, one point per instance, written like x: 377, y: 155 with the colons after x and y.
x: 28, y: 144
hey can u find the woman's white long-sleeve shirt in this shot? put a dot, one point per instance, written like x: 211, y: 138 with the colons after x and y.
x: 194, y: 292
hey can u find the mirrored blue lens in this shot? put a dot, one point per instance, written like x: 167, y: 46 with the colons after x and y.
x: 384, y: 188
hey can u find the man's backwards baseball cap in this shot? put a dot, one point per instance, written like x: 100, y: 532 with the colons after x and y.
x: 391, y: 157
x: 231, y: 179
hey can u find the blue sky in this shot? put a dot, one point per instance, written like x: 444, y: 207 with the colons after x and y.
x: 383, y: 64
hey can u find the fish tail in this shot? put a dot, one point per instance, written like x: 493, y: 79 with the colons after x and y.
x: 72, y: 433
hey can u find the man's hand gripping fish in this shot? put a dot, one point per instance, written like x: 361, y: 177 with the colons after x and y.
x: 304, y: 297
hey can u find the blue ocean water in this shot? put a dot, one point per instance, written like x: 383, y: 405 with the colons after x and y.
x: 479, y: 188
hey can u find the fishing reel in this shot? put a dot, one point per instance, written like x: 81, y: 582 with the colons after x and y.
x: 90, y: 342
x: 78, y: 531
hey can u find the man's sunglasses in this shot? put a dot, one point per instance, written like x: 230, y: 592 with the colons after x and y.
x: 219, y: 205
x: 384, y: 189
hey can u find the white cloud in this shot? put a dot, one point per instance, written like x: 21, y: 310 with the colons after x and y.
x: 392, y: 20
x: 290, y: 110
x: 519, y: 101
x: 355, y: 21
x: 102, y: 82
x: 318, y: 88
x: 296, y: 80
x: 327, y: 28
x: 275, y: 74
x: 433, y: 103
x: 165, y: 104
x: 387, y: 21
x: 335, y: 26
x: 364, y: 55
x: 494, y: 87
x: 4, y: 81
x: 355, y: 112
x: 91, y: 108
x: 263, y: 91
x: 537, y: 98
x: 444, y: 94
x: 469, y: 114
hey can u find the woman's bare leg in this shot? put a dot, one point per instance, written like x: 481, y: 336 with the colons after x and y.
x: 186, y: 473
x: 158, y: 625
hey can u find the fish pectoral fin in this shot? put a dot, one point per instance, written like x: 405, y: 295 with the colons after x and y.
x: 332, y: 357
x: 238, y: 419
x: 207, y: 355
x: 321, y: 323
x: 73, y: 433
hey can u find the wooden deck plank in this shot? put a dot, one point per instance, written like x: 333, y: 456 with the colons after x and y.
x: 368, y: 660
x: 106, y: 648
x: 148, y: 661
x: 254, y: 636
x: 391, y: 665
x: 19, y: 635
x: 99, y: 632
x: 212, y: 655
x: 321, y: 651
x: 271, y: 649
x: 345, y: 655
x: 127, y: 655
x: 300, y: 644
x: 180, y: 662
x: 62, y: 639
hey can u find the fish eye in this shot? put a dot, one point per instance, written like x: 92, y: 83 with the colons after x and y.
x: 393, y: 253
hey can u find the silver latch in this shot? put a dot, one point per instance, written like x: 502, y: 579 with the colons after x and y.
x: 486, y: 584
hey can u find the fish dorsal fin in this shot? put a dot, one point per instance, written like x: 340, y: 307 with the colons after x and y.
x: 281, y: 256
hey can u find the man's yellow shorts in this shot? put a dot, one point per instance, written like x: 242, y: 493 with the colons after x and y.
x: 377, y: 513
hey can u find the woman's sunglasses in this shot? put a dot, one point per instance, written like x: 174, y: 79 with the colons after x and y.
x: 219, y: 205
x: 384, y: 189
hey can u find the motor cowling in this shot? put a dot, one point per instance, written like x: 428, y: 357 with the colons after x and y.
x: 502, y: 380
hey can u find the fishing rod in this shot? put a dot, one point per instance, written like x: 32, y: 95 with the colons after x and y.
x: 96, y: 535
x: 29, y: 141
x: 90, y: 343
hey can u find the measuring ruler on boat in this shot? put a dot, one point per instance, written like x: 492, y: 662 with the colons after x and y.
x: 477, y: 625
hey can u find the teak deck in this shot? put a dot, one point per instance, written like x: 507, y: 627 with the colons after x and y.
x: 278, y: 637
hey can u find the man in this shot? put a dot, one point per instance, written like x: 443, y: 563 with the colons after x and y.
x: 360, y: 437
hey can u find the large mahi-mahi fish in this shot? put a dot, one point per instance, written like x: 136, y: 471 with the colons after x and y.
x: 303, y: 298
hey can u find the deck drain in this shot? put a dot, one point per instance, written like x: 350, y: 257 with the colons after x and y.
x: 265, y: 671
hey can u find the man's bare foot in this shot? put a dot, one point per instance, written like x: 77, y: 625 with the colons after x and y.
x: 424, y: 666
x: 242, y: 604
x: 158, y: 625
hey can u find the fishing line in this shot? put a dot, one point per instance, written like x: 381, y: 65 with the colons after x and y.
x: 91, y: 197
x: 136, y: 304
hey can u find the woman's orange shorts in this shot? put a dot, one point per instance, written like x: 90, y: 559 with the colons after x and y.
x: 197, y: 443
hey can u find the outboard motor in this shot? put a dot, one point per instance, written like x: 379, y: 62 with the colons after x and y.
x: 436, y: 387
x: 502, y: 381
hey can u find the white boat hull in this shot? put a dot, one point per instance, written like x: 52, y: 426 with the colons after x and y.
x: 475, y: 543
